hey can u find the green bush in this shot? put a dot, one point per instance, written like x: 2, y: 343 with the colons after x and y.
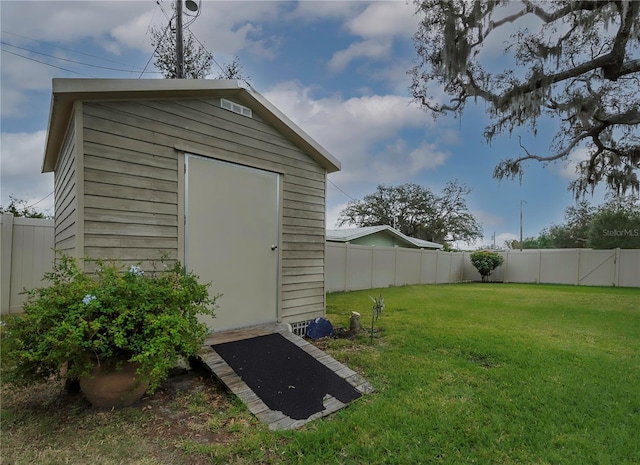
x: 485, y: 262
x: 113, y: 316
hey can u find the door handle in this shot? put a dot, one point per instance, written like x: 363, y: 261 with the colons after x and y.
x: 274, y: 247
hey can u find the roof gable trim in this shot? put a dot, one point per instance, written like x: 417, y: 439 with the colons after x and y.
x: 67, y: 91
x: 346, y: 235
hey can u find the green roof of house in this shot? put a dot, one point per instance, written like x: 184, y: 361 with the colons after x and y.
x: 352, y: 234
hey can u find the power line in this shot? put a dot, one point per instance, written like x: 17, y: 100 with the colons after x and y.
x: 157, y: 2
x: 144, y: 40
x: 64, y: 48
x: 203, y: 46
x: 336, y: 186
x: 66, y: 59
x: 169, y: 18
x: 45, y: 63
x: 216, y: 62
x: 44, y: 198
x: 154, y: 51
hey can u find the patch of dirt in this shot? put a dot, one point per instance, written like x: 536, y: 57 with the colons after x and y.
x: 182, y: 409
x: 191, y: 406
x: 343, y: 333
x: 338, y: 333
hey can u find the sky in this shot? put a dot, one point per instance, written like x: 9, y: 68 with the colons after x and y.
x: 337, y: 69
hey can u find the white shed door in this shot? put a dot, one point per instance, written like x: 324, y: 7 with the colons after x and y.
x: 232, y: 214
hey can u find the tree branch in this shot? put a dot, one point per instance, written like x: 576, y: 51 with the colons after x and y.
x: 582, y: 66
x: 588, y: 5
x: 611, y: 63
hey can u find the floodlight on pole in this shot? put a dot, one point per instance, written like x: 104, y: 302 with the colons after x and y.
x: 191, y: 5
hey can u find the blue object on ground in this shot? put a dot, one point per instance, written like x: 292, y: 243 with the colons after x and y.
x: 318, y: 328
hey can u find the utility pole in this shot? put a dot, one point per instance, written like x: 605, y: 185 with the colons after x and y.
x: 179, y: 42
x: 521, y: 202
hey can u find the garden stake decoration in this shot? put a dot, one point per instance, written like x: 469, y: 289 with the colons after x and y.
x: 378, y: 306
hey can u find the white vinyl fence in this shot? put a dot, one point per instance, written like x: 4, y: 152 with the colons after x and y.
x: 353, y: 267
x: 583, y: 267
x: 26, y: 253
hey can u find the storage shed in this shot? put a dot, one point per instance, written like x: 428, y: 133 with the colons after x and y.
x: 203, y: 171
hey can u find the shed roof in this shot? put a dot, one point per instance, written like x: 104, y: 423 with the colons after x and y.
x: 346, y: 235
x: 67, y: 91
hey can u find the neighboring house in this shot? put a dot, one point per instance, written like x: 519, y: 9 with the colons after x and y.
x: 201, y: 171
x: 381, y: 236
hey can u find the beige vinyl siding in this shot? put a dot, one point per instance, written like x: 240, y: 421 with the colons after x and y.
x: 131, y: 184
x: 66, y: 204
x: 131, y: 211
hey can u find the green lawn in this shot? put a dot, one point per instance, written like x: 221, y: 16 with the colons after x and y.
x: 464, y: 373
x: 492, y: 373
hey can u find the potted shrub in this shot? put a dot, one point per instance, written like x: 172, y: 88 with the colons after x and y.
x: 120, y: 322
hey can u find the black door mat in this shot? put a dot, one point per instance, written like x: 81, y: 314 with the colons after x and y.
x: 284, y: 376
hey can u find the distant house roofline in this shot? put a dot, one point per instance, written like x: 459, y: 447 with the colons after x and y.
x: 65, y: 92
x: 350, y: 234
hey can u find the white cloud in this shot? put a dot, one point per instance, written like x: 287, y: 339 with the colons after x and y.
x: 119, y: 28
x: 310, y: 11
x: 399, y: 162
x: 333, y: 213
x: 68, y: 22
x: 487, y: 219
x: 385, y: 19
x: 351, y: 129
x: 29, y: 74
x: 13, y: 103
x: 132, y: 33
x: 568, y: 169
x: 54, y: 28
x: 426, y: 157
x: 21, y: 168
x: 342, y: 125
x: 230, y: 27
x: 490, y: 223
x: 375, y: 49
x: 378, y: 24
x: 499, y: 240
x: 448, y: 137
x: 22, y: 153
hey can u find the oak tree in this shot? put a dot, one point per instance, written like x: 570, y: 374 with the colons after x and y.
x: 577, y: 61
x: 616, y: 224
x: 417, y: 212
x: 613, y: 224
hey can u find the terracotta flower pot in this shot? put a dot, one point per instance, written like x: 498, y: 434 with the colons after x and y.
x: 114, y: 388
